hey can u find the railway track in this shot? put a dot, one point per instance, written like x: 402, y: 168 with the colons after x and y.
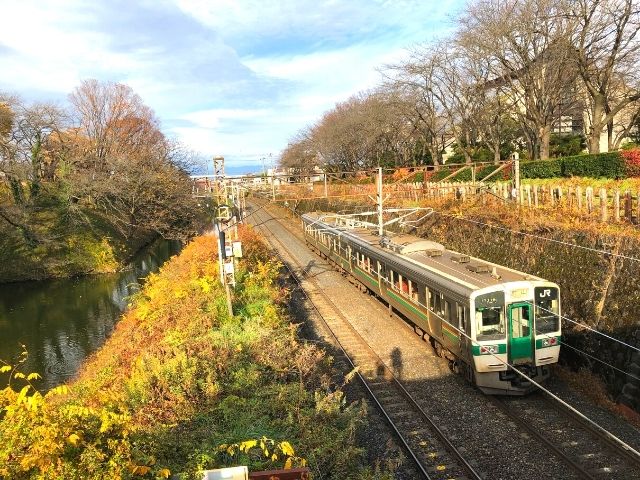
x: 589, y: 451
x: 435, y: 456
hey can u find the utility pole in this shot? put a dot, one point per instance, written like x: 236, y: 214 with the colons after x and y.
x: 516, y: 174
x: 326, y: 193
x: 273, y: 183
x: 218, y: 175
x: 380, y: 224
x: 222, y: 263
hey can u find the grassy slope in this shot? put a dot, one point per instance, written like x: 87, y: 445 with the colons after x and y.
x: 179, y: 377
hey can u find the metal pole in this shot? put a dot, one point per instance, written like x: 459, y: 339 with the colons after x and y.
x: 228, y: 293
x: 380, y: 224
x: 326, y: 193
x: 273, y: 185
x: 220, y: 247
x: 223, y: 277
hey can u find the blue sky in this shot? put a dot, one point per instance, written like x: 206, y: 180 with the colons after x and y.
x: 232, y: 78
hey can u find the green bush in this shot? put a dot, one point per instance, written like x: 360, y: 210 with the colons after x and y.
x: 563, y: 145
x: 601, y: 165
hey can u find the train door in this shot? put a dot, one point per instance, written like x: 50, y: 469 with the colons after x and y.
x: 520, y: 333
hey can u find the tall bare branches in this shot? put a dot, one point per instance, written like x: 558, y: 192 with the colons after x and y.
x: 607, y: 50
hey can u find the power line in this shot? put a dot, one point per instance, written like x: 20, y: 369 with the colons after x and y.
x: 593, y: 330
x: 580, y: 324
x: 553, y: 240
x: 547, y: 391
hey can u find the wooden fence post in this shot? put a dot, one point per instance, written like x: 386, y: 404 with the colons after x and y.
x: 616, y: 205
x: 603, y: 205
x: 628, y: 208
x: 529, y: 196
x: 552, y: 196
x: 589, y: 194
x: 570, y: 196
x: 579, y: 198
x: 535, y: 195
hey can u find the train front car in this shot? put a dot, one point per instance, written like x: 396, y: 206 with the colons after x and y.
x: 516, y: 327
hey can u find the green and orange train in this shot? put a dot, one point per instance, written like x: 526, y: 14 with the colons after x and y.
x: 499, y: 327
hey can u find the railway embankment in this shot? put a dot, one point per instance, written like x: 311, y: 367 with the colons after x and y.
x: 181, y: 386
x: 600, y: 290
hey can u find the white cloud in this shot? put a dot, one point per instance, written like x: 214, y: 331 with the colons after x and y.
x: 213, y: 117
x: 296, y: 58
x: 46, y: 53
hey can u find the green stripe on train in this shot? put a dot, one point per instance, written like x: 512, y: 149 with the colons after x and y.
x: 450, y: 334
x: 407, y: 304
x: 363, y: 275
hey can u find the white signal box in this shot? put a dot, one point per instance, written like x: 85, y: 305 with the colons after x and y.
x: 237, y: 249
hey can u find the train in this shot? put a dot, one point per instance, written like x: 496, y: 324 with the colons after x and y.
x: 498, y: 327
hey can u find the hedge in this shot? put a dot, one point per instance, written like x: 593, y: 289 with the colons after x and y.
x: 600, y: 165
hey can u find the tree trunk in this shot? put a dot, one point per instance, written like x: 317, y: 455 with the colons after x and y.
x: 597, y: 111
x: 496, y: 155
x: 545, y: 138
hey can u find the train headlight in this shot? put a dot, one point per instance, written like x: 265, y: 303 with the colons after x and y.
x: 489, y: 349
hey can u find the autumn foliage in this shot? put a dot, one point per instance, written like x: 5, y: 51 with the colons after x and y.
x: 632, y: 162
x: 181, y: 386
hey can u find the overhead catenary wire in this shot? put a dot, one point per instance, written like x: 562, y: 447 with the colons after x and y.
x: 580, y: 324
x: 540, y: 237
x: 593, y: 423
x: 563, y: 343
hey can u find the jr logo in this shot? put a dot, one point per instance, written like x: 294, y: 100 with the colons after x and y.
x: 545, y: 293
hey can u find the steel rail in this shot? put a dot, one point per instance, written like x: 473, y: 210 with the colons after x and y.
x: 504, y: 408
x: 464, y: 463
x: 612, y: 442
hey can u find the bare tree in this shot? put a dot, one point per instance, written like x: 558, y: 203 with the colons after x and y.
x: 413, y: 84
x: 530, y: 54
x: 607, y: 49
x: 113, y: 119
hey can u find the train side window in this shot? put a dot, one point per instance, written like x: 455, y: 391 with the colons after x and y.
x: 413, y: 291
x: 431, y: 298
x: 395, y: 280
x: 403, y: 285
x: 368, y: 264
x: 462, y: 317
x: 447, y: 311
x: 437, y: 304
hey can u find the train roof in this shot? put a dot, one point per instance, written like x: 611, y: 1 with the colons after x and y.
x: 470, y: 272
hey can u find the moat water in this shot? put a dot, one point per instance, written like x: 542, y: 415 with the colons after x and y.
x: 61, y: 322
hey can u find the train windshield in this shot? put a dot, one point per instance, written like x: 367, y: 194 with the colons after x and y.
x: 547, y: 309
x: 490, y: 323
